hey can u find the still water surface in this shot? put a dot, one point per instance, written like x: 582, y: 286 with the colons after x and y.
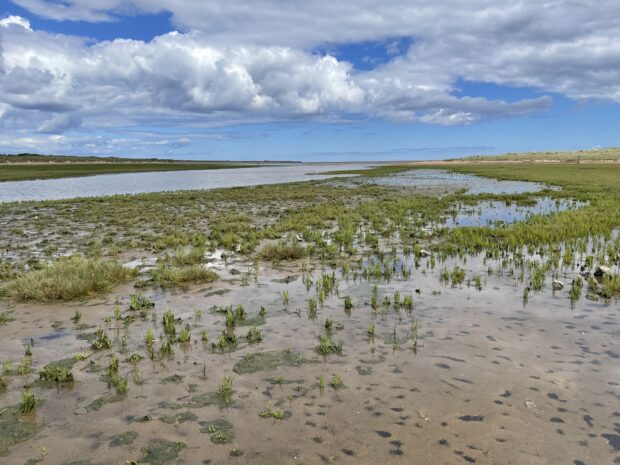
x: 135, y: 183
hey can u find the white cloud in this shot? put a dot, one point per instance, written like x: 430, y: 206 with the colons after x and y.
x: 59, y: 123
x: 240, y: 61
x: 10, y: 21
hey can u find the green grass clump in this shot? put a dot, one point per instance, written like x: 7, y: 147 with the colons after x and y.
x: 169, y: 327
x: 24, y: 366
x: 336, y: 381
x: 611, y: 286
x: 327, y: 346
x: 270, y: 412
x: 193, y: 257
x: 68, y: 278
x: 185, y: 334
x: 225, y: 390
x: 254, y: 335
x: 283, y: 251
x: 102, y: 341
x: 57, y: 373
x: 167, y: 276
x: 28, y: 402
x: 138, y: 302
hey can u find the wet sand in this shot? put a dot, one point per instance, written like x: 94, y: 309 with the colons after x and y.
x: 491, y: 381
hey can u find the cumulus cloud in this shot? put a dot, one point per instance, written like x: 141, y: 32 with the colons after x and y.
x: 15, y: 21
x: 240, y: 61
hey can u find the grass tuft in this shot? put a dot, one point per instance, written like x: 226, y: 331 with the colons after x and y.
x: 283, y: 251
x: 68, y: 278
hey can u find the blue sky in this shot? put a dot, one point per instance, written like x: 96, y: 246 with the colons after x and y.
x: 261, y: 81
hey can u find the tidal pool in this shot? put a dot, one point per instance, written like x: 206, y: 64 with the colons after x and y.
x: 496, y: 213
x: 433, y: 179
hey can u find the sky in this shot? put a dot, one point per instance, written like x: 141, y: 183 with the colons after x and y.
x: 313, y: 80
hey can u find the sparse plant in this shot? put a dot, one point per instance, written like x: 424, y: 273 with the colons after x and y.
x: 185, y: 334
x: 336, y: 381
x: 225, y: 390
x: 149, y: 338
x: 371, y: 330
x: 28, y: 402
x: 254, y: 335
x: 102, y: 341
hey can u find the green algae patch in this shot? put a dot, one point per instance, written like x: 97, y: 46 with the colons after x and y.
x: 198, y: 401
x: 161, y: 451
x: 15, y: 429
x: 220, y: 431
x: 175, y: 379
x: 252, y: 321
x: 262, y: 361
x: 210, y: 398
x: 364, y: 371
x: 88, y: 337
x: 178, y: 418
x: 124, y: 439
x: 96, y: 405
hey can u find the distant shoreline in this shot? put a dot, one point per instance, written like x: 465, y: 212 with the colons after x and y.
x: 54, y: 170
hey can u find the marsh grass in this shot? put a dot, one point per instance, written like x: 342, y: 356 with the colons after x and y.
x: 58, y: 373
x: 167, y: 277
x: 68, y: 278
x: 101, y: 341
x: 270, y: 412
x: 24, y: 366
x: 225, y: 390
x: 254, y: 335
x: 336, y: 381
x: 137, y: 302
x: 28, y: 401
x: 194, y: 256
x: 326, y: 346
x: 168, y: 320
x: 283, y: 251
x: 149, y: 338
x: 185, y: 334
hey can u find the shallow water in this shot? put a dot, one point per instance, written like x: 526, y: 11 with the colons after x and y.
x: 491, y: 381
x: 496, y: 213
x: 431, y: 178
x: 135, y: 183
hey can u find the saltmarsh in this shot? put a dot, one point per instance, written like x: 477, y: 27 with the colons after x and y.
x: 389, y: 335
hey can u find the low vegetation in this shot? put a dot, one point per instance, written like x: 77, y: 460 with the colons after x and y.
x: 68, y: 278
